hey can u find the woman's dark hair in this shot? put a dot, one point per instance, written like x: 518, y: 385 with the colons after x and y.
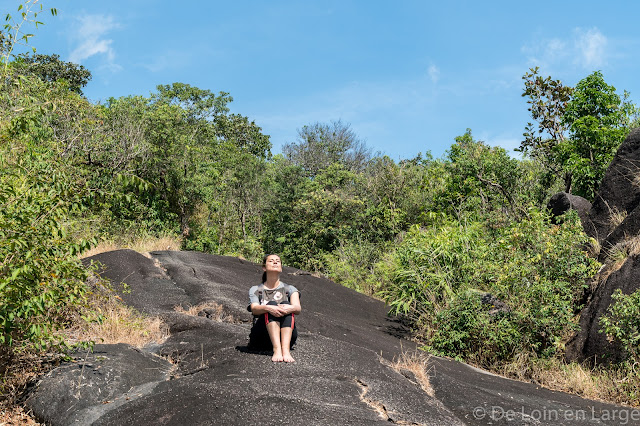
x: 264, y: 263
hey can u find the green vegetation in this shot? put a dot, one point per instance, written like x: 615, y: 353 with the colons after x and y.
x: 622, y: 323
x: 579, y: 129
x: 460, y: 246
x: 452, y: 278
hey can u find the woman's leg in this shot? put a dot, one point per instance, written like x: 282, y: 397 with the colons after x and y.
x: 273, y: 328
x: 280, y: 330
x: 285, y: 336
x: 286, y: 331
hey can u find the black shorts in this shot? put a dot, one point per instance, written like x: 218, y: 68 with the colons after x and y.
x: 259, y: 336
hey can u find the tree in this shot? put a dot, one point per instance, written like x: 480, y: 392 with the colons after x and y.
x: 598, y: 120
x: 547, y: 101
x: 579, y: 130
x: 244, y: 134
x: 197, y: 103
x: 328, y: 214
x: 320, y: 145
x: 50, y: 68
x: 481, y: 179
x: 288, y: 187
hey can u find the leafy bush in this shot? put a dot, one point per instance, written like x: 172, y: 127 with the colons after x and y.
x: 430, y: 264
x: 353, y: 265
x: 41, y: 278
x: 467, y: 330
x: 537, y: 269
x: 621, y: 323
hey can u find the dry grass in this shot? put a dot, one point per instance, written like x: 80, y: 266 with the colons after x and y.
x: 140, y: 244
x: 15, y: 416
x: 593, y: 247
x: 624, y: 249
x: 605, y: 384
x: 17, y: 370
x: 616, y: 217
x: 212, y: 310
x: 416, y: 363
x: 111, y: 321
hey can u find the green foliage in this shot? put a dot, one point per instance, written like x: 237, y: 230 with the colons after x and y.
x: 621, y: 323
x: 430, y: 264
x: 243, y: 134
x: 353, y: 264
x: 12, y: 35
x: 321, y: 145
x: 480, y: 180
x: 539, y: 270
x: 467, y: 330
x: 547, y: 101
x: 598, y: 122
x: 579, y: 130
x: 41, y: 279
x: 50, y: 68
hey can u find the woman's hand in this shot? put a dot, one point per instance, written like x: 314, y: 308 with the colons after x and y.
x: 278, y: 310
x: 287, y: 309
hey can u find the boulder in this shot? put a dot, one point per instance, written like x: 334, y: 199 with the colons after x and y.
x: 96, y: 382
x: 590, y: 343
x: 613, y: 220
x: 562, y: 202
x: 139, y: 281
x: 618, y: 196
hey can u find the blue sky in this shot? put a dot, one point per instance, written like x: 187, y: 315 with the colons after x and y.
x: 408, y: 76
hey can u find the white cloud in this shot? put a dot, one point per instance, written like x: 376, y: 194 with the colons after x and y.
x: 591, y: 45
x: 91, y: 34
x: 556, y: 49
x: 434, y: 73
x: 587, y: 49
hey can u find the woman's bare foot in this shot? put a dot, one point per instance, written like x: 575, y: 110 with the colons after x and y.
x: 288, y: 358
x: 277, y: 356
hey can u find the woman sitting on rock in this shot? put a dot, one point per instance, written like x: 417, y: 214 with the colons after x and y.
x: 274, y: 304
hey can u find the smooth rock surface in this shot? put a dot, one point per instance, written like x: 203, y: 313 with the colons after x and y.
x: 205, y: 375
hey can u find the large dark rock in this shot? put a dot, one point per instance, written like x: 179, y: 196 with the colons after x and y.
x: 562, y: 202
x: 590, y: 343
x: 97, y: 382
x: 140, y: 282
x: 614, y: 219
x: 204, y: 373
x: 619, y: 194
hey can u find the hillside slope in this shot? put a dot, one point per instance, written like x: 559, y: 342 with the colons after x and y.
x: 204, y: 373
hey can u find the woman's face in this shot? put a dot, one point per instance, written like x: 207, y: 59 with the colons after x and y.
x: 272, y: 264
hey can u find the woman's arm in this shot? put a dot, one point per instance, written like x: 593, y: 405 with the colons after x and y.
x: 278, y: 310
x: 294, y: 304
x: 275, y: 310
